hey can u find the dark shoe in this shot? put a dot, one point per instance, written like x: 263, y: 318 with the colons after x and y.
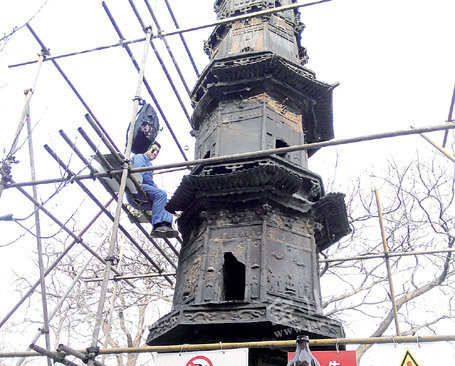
x: 164, y: 231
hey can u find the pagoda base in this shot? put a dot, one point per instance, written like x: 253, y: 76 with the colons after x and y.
x: 234, y: 321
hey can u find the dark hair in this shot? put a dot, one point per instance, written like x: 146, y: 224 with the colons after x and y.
x: 154, y: 143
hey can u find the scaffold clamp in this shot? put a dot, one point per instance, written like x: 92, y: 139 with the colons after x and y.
x: 43, y: 331
x: 92, y: 352
x: 112, y: 259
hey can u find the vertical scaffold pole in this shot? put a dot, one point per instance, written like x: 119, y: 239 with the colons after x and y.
x: 387, y: 261
x: 39, y: 244
x: 63, y: 299
x: 121, y: 192
x: 5, y: 168
x: 449, y: 118
x: 111, y: 308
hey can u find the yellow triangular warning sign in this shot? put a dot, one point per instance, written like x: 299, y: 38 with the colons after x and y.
x: 408, y: 360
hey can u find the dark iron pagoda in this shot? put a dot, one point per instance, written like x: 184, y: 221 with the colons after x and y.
x: 252, y: 229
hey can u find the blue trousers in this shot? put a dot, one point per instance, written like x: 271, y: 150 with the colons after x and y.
x: 159, y: 198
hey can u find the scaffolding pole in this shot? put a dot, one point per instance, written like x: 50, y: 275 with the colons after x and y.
x: 110, y: 216
x: 119, y: 157
x: 63, y: 349
x: 182, y: 38
x: 54, y: 264
x: 39, y: 244
x: 131, y: 277
x: 382, y: 255
x: 123, y: 43
x: 63, y: 226
x: 387, y: 262
x: 53, y: 355
x: 146, y: 84
x: 161, y: 62
x: 263, y: 344
x: 120, y: 160
x: 245, y: 16
x: 111, y: 310
x: 249, y: 155
x: 70, y: 84
x: 449, y: 118
x: 6, y: 166
x: 118, y: 210
x: 62, y: 300
x: 439, y: 148
x: 168, y: 48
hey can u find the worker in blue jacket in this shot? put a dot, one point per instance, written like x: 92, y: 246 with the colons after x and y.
x: 161, y: 219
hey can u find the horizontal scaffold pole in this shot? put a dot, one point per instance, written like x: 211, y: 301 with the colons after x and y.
x: 132, y: 277
x: 248, y: 155
x: 76, y: 240
x: 389, y: 254
x: 180, y: 31
x: 263, y: 344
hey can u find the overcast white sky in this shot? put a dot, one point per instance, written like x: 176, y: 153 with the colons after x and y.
x: 393, y: 58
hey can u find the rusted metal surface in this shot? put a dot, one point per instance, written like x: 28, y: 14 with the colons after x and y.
x: 252, y: 228
x: 228, y: 85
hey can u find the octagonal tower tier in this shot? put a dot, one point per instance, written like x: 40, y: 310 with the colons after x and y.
x: 252, y: 229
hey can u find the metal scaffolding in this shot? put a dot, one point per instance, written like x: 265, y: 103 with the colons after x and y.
x: 169, y: 252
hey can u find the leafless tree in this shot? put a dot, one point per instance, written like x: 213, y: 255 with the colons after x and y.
x: 419, y: 215
x: 7, y: 36
x: 134, y: 306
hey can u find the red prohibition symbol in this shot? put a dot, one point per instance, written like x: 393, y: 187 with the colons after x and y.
x: 196, y: 361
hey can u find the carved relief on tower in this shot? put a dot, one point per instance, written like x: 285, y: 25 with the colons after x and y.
x: 232, y: 263
x: 223, y: 316
x: 255, y: 270
x: 289, y: 272
x: 190, y: 264
x: 255, y: 123
x: 289, y: 227
x: 223, y: 217
x: 285, y: 313
x: 282, y: 38
x: 163, y: 325
x: 277, y: 32
x: 281, y: 29
x: 246, y: 36
x: 281, y: 112
x: 238, y: 110
x: 289, y: 254
x: 227, y: 8
x: 210, y: 278
x: 206, y: 137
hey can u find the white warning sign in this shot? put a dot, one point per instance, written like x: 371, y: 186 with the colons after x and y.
x: 410, y: 354
x: 238, y: 357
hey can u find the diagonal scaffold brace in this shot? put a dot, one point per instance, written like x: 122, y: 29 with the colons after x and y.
x: 118, y: 211
x: 52, y: 355
x: 76, y: 240
x: 63, y: 298
x: 6, y: 165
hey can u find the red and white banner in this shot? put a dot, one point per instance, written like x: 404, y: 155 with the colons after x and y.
x: 333, y: 358
x: 237, y: 357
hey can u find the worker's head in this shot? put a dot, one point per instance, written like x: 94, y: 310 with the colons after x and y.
x: 153, y: 150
